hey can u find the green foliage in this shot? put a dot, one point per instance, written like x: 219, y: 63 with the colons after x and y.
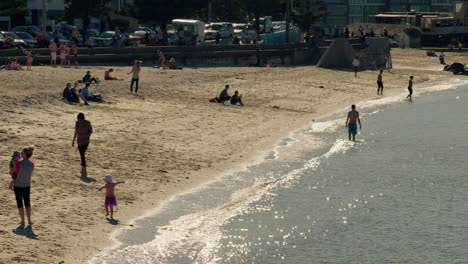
x: 13, y: 7
x: 306, y: 13
x: 86, y: 8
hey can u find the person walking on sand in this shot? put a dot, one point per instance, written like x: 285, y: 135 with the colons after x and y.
x: 380, y: 83
x: 389, y: 62
x: 83, y: 131
x: 53, y: 53
x: 110, y: 200
x: 356, y: 64
x: 410, y: 87
x: 22, y: 184
x: 351, y: 122
x: 442, y: 58
x: 136, y: 76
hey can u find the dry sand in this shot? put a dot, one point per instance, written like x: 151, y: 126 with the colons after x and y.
x: 167, y: 140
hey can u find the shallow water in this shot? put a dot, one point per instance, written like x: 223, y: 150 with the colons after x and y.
x: 395, y: 196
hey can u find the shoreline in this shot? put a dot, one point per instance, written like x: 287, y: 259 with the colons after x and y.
x: 259, y: 157
x: 168, y: 141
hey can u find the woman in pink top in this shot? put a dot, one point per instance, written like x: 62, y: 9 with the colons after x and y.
x: 110, y: 200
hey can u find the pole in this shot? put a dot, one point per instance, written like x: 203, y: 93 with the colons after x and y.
x: 44, y: 17
x: 288, y: 19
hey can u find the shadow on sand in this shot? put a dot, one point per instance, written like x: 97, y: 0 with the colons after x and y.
x: 25, y: 231
x: 87, y: 179
x: 112, y: 221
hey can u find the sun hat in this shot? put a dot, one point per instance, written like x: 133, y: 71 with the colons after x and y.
x: 16, y: 154
x: 108, y: 178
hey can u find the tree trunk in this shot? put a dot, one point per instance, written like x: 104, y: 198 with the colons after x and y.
x: 163, y: 28
x: 85, y: 26
x: 257, y: 25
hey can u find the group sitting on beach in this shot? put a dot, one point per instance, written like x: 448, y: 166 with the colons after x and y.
x: 70, y: 94
x: 224, y: 96
x: 12, y: 64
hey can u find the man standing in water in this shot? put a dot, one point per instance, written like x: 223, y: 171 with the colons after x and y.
x: 351, y: 124
x: 380, y: 83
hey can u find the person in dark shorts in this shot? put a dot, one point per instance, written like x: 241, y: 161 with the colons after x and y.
x: 380, y: 83
x: 236, y: 98
x: 224, y: 96
x: 351, y: 122
x: 83, y: 131
x: 22, y: 184
x: 410, y: 87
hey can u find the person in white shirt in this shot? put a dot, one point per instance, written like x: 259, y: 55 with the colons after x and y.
x: 356, y: 64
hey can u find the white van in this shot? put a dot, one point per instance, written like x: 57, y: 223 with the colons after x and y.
x: 191, y: 28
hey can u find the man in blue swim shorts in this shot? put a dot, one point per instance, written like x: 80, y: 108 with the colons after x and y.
x: 351, y: 122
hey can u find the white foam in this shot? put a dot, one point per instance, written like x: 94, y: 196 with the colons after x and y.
x: 198, y: 235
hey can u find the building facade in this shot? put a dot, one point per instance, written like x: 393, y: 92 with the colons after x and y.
x: 343, y: 12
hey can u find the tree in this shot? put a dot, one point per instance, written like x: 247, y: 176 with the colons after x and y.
x: 259, y: 8
x: 306, y: 13
x: 85, y: 9
x: 14, y: 8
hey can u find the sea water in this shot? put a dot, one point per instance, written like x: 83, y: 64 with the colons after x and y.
x: 397, y: 195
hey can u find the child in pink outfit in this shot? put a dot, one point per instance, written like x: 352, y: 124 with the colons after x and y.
x: 110, y: 200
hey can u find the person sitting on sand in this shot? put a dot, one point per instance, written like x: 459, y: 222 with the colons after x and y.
x: 236, y: 98
x: 223, y: 96
x: 110, y: 200
x: 7, y: 65
x: 78, y: 95
x: 69, y: 96
x: 173, y: 64
x: 108, y: 77
x: 88, y: 79
x: 162, y: 59
x: 89, y: 96
x: 15, y: 66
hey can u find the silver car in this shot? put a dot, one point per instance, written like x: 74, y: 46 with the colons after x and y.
x: 26, y: 37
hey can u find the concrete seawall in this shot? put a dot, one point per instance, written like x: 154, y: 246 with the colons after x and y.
x: 223, y: 55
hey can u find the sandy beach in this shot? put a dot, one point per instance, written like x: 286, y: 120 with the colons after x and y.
x: 168, y: 139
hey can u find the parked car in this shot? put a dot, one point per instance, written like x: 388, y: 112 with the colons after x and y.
x: 62, y: 38
x: 225, y: 30
x: 106, y: 39
x: 18, y: 42
x: 138, y: 37
x: 26, y: 37
x: 238, y: 28
x: 2, y: 42
x: 32, y: 30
